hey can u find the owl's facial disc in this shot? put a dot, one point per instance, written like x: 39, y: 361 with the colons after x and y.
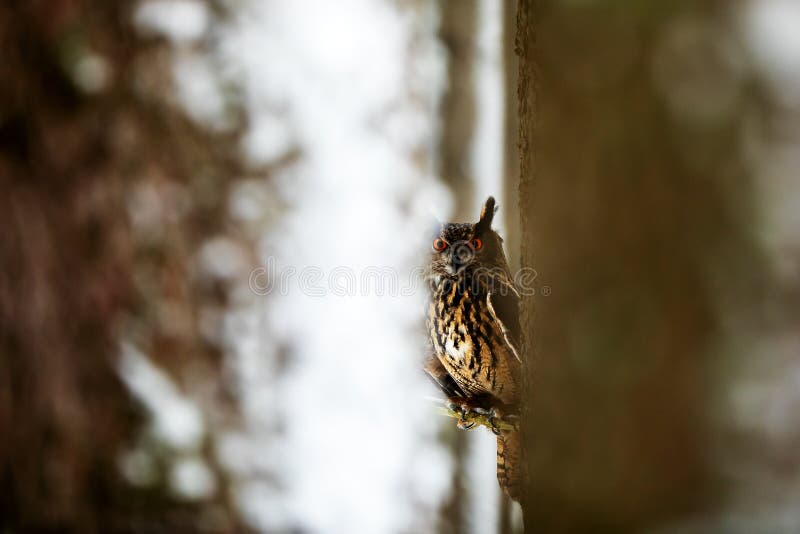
x: 461, y: 255
x: 455, y: 249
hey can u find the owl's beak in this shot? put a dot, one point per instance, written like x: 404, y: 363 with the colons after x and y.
x: 455, y: 265
x: 451, y: 266
x: 460, y: 257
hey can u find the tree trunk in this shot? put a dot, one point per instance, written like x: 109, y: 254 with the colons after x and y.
x: 458, y: 32
x: 510, y: 134
x: 70, y: 154
x: 510, y: 177
x: 624, y: 210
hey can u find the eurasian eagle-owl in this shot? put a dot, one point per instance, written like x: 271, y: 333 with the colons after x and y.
x: 473, y: 322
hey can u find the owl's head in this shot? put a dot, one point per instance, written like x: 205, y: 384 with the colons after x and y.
x: 462, y: 248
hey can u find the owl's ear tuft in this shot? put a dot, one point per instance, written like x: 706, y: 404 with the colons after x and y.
x: 487, y: 214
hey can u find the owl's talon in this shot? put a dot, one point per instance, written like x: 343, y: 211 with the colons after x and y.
x: 464, y: 424
x: 493, y: 418
x: 496, y: 430
x: 470, y: 416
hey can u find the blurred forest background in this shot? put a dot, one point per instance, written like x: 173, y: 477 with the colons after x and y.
x: 156, y: 154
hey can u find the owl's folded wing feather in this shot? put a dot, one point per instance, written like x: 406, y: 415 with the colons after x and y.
x: 434, y: 368
x: 503, y: 303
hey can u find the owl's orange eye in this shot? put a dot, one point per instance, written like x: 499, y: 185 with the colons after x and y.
x: 477, y: 243
x: 439, y: 244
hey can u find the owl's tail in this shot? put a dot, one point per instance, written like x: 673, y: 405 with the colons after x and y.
x: 509, y: 463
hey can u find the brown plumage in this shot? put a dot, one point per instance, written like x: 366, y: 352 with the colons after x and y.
x: 473, y: 321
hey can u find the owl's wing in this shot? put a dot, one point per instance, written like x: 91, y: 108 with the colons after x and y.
x: 503, y: 303
x: 433, y: 366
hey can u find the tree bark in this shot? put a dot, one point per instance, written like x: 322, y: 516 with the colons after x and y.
x: 510, y: 177
x: 511, y: 134
x: 622, y: 226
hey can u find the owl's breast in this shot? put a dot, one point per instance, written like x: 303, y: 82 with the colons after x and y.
x: 450, y: 323
x: 458, y: 343
x: 468, y: 342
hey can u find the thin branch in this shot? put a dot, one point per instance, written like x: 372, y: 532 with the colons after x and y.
x: 500, y: 423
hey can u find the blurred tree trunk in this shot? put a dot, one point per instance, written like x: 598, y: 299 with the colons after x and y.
x: 624, y: 211
x: 66, y: 274
x: 72, y: 146
x: 457, y: 32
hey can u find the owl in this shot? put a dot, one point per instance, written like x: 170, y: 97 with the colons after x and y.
x: 473, y: 323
